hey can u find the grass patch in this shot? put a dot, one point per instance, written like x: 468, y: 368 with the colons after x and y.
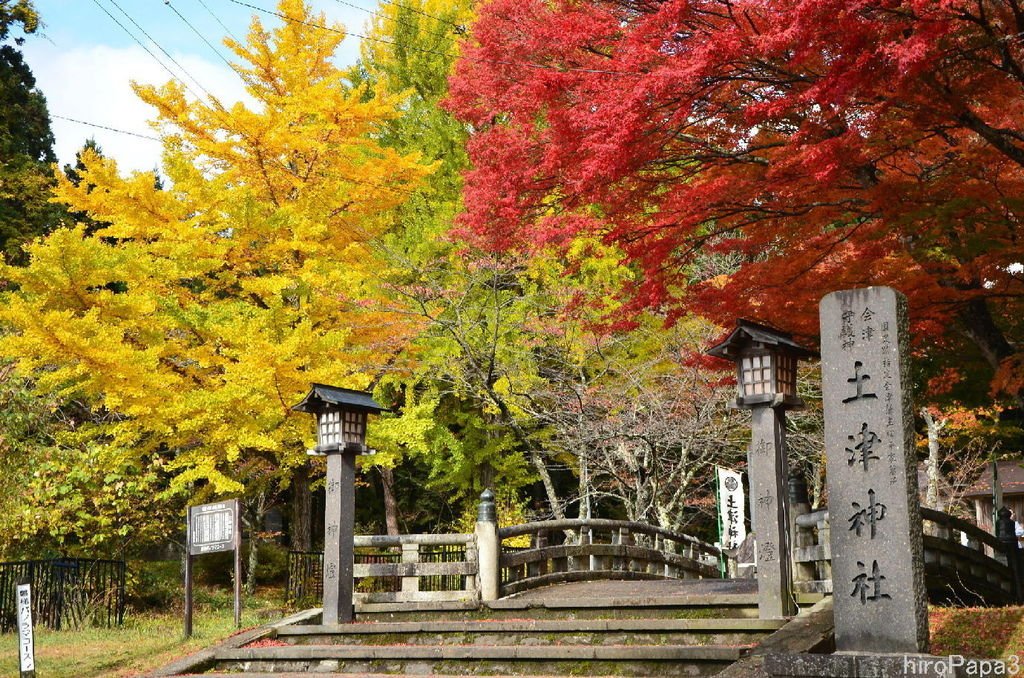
x: 980, y: 632
x: 144, y: 642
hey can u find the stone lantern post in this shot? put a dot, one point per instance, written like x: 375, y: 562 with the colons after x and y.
x: 766, y: 362
x: 341, y: 416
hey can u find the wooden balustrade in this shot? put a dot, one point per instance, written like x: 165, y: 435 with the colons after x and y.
x: 581, y: 550
x: 430, y: 567
x: 962, y: 562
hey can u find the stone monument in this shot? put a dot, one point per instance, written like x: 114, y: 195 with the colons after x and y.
x: 871, y: 471
x: 880, y: 605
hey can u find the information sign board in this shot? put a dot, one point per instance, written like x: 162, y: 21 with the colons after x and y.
x: 212, y: 527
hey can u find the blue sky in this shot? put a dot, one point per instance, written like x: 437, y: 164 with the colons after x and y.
x: 84, y: 61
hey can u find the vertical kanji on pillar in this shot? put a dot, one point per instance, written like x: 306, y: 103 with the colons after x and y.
x: 876, y: 537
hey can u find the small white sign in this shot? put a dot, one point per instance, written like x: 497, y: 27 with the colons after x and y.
x: 731, y: 507
x: 26, y: 646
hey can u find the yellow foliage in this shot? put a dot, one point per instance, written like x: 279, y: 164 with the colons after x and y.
x: 199, y: 311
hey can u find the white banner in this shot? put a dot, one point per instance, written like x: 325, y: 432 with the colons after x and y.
x: 731, y: 507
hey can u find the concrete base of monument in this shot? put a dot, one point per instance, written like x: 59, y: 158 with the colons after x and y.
x: 855, y: 665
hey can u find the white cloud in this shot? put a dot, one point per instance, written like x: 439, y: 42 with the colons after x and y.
x: 92, y: 84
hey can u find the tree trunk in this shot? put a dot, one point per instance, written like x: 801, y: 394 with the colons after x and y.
x: 584, y: 487
x: 549, y: 486
x: 257, y: 511
x: 933, y: 498
x: 254, y: 561
x: 387, y: 482
x: 302, y: 510
x: 981, y: 328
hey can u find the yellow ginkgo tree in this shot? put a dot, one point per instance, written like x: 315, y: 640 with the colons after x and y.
x: 193, y: 311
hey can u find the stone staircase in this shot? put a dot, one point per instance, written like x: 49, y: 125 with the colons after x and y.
x: 670, y: 635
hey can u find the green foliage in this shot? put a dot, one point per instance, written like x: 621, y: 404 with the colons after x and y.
x: 26, y: 144
x: 273, y: 564
x: 153, y: 585
x: 88, y: 500
x: 17, y: 12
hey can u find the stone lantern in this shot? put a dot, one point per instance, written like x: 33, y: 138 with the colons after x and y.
x: 766, y: 362
x: 341, y: 416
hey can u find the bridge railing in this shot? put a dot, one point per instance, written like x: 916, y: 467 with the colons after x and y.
x: 416, y: 568
x: 584, y: 550
x: 962, y: 562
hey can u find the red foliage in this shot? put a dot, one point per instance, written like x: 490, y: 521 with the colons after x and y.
x: 267, y: 642
x: 820, y: 144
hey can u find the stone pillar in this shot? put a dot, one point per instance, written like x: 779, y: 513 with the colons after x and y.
x: 876, y: 538
x: 799, y: 505
x: 488, y: 548
x: 339, y: 534
x: 1006, y: 532
x: 769, y: 508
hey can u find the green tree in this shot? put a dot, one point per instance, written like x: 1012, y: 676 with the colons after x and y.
x: 26, y: 142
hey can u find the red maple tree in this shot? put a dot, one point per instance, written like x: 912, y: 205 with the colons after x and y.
x: 750, y: 156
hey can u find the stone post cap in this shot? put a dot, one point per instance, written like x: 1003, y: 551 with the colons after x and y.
x: 1005, y: 529
x: 797, y: 487
x: 486, y: 511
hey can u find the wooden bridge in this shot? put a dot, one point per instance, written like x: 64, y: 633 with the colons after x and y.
x: 963, y: 564
x: 584, y: 597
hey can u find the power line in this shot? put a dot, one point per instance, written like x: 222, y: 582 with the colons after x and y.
x: 424, y: 50
x: 217, y: 19
x: 160, y: 47
x: 148, y: 51
x: 200, y: 35
x: 109, y: 129
x: 460, y: 29
x: 361, y: 182
x: 372, y: 13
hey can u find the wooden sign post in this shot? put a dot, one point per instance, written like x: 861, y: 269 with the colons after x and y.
x: 214, y: 528
x: 26, y: 638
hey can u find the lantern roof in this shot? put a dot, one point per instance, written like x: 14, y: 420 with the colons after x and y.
x: 748, y: 333
x: 323, y: 397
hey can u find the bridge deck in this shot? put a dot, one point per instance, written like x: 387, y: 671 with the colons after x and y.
x: 662, y: 591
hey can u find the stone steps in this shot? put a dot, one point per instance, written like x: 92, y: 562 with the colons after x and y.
x: 632, y: 660
x: 576, y: 633
x: 713, y: 631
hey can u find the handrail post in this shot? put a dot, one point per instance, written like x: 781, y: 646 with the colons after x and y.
x: 541, y: 542
x: 1007, y: 535
x: 825, y: 539
x: 488, y: 548
x: 799, y: 504
x: 411, y: 554
x: 626, y: 539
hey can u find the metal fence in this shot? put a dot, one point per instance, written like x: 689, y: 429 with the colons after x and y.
x: 306, y: 572
x: 305, y: 586
x: 67, y: 593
